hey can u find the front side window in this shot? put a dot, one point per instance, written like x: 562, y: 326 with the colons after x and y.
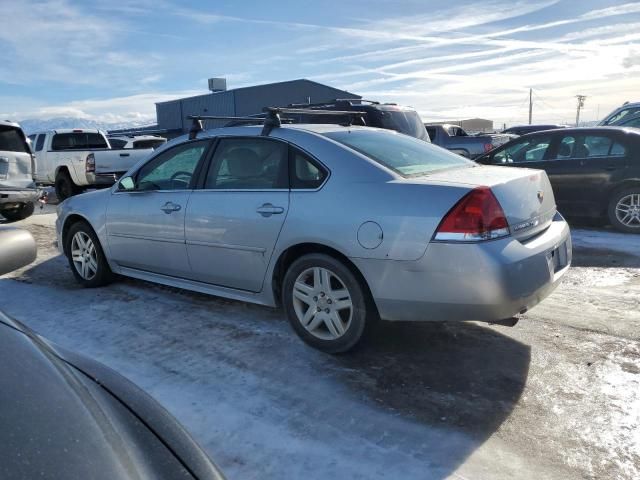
x: 172, y: 169
x: 529, y: 150
x: 404, y: 155
x: 617, y: 150
x: 117, y: 143
x: 12, y: 140
x: 566, y: 148
x: 249, y: 164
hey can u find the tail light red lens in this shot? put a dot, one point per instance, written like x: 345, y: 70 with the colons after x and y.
x: 477, y: 216
x: 90, y: 165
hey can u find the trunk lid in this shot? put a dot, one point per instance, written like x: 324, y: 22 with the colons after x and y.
x: 525, y: 195
x: 15, y: 159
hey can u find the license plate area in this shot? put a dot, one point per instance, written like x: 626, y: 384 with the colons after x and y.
x: 559, y: 257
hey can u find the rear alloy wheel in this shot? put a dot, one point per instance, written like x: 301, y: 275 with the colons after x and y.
x: 624, y: 210
x: 86, y: 258
x: 325, y: 303
x: 64, y: 186
x: 20, y: 213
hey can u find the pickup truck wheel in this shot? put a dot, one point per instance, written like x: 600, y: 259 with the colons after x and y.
x: 65, y: 187
x: 24, y: 211
x: 86, y: 258
x: 624, y: 210
x: 325, y: 303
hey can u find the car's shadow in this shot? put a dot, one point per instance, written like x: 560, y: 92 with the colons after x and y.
x: 410, y: 387
x: 464, y: 375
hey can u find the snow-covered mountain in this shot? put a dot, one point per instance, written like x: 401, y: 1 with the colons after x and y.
x: 32, y: 125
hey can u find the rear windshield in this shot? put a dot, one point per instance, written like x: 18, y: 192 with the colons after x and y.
x: 12, y: 140
x: 403, y: 121
x: 153, y: 143
x: 403, y: 154
x: 78, y: 141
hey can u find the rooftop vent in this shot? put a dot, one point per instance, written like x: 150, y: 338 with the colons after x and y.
x: 217, y: 84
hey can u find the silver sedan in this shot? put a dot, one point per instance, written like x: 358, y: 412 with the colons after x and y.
x: 340, y: 225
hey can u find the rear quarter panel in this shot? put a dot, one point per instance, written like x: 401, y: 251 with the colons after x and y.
x: 358, y: 191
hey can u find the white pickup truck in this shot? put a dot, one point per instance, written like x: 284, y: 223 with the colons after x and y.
x: 74, y: 160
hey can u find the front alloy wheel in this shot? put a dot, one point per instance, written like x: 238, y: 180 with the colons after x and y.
x: 326, y: 303
x: 86, y: 258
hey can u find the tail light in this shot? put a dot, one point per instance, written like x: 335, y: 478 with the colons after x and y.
x: 488, y: 147
x: 477, y: 216
x: 90, y: 165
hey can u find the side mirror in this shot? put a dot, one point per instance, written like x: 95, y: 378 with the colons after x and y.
x: 17, y: 249
x: 127, y: 183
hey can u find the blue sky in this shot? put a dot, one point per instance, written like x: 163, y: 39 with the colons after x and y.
x: 111, y: 60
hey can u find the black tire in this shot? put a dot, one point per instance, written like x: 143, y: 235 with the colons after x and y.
x: 361, y: 315
x: 64, y: 186
x: 20, y: 213
x: 614, y: 211
x: 103, y: 274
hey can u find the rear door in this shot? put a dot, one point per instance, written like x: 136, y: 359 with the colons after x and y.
x: 582, y: 168
x: 145, y: 225
x: 234, y: 220
x: 15, y: 159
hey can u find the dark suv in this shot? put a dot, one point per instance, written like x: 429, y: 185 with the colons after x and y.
x: 381, y: 115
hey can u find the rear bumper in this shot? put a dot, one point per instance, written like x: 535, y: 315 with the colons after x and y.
x: 103, y: 179
x: 486, y: 281
x: 10, y: 198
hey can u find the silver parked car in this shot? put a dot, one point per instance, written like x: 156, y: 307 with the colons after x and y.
x: 341, y: 224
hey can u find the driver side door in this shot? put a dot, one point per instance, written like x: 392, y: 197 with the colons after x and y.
x: 145, y: 224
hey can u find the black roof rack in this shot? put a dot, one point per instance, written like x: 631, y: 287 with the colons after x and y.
x: 271, y: 120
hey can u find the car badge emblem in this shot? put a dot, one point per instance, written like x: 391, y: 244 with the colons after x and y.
x: 540, y: 195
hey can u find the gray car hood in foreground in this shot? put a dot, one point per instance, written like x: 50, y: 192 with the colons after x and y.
x: 58, y: 423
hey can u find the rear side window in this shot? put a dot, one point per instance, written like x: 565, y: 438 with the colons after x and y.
x: 594, y: 146
x: 40, y: 142
x: 403, y: 154
x: 78, y: 141
x: 12, y: 140
x: 249, y: 164
x: 305, y: 173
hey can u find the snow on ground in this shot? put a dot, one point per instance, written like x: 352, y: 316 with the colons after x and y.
x: 609, y: 240
x: 557, y: 396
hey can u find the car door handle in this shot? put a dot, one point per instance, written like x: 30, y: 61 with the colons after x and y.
x: 610, y: 168
x: 170, y: 207
x: 124, y: 154
x: 268, y: 209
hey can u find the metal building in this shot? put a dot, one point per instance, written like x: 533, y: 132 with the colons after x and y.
x: 172, y: 115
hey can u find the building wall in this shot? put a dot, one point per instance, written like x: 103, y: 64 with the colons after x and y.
x: 243, y: 101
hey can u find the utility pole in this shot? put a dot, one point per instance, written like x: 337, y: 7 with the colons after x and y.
x: 581, y: 99
x: 530, y: 104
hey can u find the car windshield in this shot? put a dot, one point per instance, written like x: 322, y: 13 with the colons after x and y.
x: 623, y: 114
x: 403, y: 121
x: 403, y: 154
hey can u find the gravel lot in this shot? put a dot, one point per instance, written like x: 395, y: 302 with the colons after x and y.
x: 556, y: 396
